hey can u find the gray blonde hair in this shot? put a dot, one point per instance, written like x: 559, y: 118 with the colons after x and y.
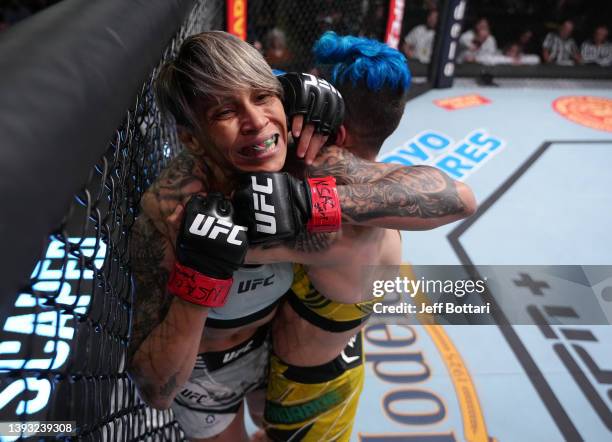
x: 209, y: 67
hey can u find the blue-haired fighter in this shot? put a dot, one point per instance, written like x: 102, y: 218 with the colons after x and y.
x: 317, y: 368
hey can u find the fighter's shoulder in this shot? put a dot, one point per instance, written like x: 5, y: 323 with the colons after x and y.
x: 342, y: 164
x: 182, y: 177
x: 331, y: 160
x: 184, y: 164
x: 331, y: 152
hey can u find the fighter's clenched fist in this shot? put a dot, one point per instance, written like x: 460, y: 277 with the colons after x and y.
x: 278, y: 207
x: 316, y: 99
x: 209, y: 248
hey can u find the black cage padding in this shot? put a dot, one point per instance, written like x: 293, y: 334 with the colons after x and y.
x: 67, y: 75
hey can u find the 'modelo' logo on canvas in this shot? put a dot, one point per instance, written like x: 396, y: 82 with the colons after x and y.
x: 593, y: 112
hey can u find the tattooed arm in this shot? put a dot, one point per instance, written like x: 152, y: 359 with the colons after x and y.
x: 182, y: 178
x: 166, y: 331
x: 377, y: 195
x: 393, y: 196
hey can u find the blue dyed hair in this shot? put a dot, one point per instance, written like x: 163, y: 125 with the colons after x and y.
x: 362, y: 60
x: 373, y: 79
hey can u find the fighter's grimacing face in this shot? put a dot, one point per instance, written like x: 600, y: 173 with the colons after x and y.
x: 248, y: 130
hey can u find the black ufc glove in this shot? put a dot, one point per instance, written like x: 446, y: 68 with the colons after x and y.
x: 316, y: 99
x: 209, y: 248
x: 277, y: 207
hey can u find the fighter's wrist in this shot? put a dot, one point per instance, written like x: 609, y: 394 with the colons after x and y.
x: 189, y: 306
x: 326, y: 214
x: 197, y: 288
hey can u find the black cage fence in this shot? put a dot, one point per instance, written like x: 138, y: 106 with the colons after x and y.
x: 64, y: 336
x: 64, y: 340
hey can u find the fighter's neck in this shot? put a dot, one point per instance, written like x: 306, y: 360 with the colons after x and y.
x: 362, y: 151
x: 221, y: 178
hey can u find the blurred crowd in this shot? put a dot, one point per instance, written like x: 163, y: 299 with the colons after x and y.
x: 540, y: 36
x: 513, y: 32
x: 562, y: 32
x: 479, y: 45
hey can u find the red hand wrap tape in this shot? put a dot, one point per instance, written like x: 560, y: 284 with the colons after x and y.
x: 196, y: 288
x: 326, y: 214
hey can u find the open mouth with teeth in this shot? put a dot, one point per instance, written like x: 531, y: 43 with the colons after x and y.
x: 260, y: 149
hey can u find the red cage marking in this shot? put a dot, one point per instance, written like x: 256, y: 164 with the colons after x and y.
x: 462, y: 101
x: 589, y: 111
x: 237, y: 18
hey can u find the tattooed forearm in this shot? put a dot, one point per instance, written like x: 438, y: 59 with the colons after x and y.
x: 417, y: 192
x: 348, y: 168
x: 147, y: 254
x: 284, y: 251
x: 312, y: 243
x: 370, y: 190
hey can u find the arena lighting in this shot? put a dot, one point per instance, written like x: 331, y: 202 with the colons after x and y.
x: 442, y: 68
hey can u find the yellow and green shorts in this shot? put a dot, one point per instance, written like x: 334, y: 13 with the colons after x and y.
x: 322, y: 312
x: 318, y: 403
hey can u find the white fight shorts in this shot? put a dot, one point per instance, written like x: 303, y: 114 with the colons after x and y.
x: 208, y: 402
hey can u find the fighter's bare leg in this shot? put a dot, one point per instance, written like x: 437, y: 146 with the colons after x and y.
x: 256, y: 400
x: 235, y: 432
